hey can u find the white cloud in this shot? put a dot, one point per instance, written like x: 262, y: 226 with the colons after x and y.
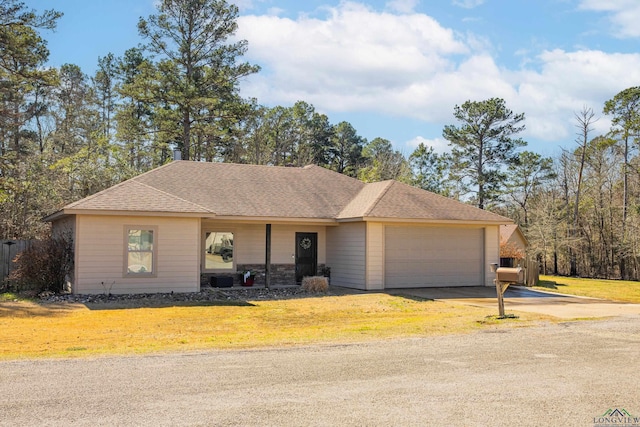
x: 566, y: 82
x: 357, y: 59
x: 467, y: 4
x: 354, y: 58
x: 623, y: 14
x: 439, y: 145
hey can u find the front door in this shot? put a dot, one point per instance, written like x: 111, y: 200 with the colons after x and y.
x: 306, y: 255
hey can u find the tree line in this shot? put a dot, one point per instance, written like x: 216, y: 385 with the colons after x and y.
x: 65, y: 135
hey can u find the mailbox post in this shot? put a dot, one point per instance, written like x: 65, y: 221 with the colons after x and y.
x: 504, y: 278
x: 500, y: 289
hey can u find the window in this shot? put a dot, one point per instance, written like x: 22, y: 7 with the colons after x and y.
x: 140, y: 251
x: 218, y: 248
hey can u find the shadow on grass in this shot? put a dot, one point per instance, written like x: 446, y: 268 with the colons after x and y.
x: 549, y: 284
x: 15, y: 305
x: 23, y: 309
x: 132, y: 304
x: 63, y: 305
x: 409, y: 297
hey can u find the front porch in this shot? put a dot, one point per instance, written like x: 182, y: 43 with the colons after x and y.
x: 275, y: 254
x: 282, y: 275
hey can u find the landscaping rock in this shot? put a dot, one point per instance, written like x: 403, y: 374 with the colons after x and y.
x: 206, y: 294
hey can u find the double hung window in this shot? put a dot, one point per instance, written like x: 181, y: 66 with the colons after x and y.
x: 141, y: 250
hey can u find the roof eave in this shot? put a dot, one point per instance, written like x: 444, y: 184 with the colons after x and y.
x: 427, y: 221
x: 56, y: 215
x: 72, y: 211
x: 272, y: 220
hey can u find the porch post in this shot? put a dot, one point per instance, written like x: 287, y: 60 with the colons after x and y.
x: 267, y: 258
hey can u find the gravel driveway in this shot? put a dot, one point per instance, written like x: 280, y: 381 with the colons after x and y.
x: 518, y: 298
x: 566, y: 374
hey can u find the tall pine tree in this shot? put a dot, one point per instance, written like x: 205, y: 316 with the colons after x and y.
x: 198, y: 68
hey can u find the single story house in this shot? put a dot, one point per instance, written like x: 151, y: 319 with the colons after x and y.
x: 164, y: 230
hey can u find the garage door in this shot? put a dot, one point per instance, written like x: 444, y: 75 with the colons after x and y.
x: 418, y: 257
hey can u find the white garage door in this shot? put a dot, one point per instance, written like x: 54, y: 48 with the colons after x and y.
x: 417, y: 257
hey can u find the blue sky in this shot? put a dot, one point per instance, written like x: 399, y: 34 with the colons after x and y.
x: 396, y: 68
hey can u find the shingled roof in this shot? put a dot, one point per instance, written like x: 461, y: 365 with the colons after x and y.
x: 507, y: 231
x: 253, y: 191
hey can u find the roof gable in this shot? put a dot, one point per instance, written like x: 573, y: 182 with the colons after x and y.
x: 136, y: 196
x: 365, y: 200
x: 403, y: 201
x: 510, y: 232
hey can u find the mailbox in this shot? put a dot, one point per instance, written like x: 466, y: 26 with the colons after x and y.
x: 510, y: 275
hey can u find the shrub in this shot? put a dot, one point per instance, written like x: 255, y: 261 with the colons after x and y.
x: 43, y: 266
x: 317, y: 284
x: 510, y: 250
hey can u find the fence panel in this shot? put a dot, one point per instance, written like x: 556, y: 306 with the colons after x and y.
x: 533, y: 272
x: 8, y: 251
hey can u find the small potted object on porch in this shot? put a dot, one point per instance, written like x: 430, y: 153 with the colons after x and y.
x: 326, y: 272
x: 248, y: 278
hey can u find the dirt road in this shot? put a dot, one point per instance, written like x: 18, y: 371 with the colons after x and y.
x: 566, y: 374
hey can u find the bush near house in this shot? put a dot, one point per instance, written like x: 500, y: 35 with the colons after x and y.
x: 43, y: 266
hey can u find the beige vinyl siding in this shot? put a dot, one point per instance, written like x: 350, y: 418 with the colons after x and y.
x: 100, y: 255
x: 249, y: 241
x: 375, y: 256
x: 346, y: 254
x: 283, y: 242
x: 434, y: 256
x: 492, y: 252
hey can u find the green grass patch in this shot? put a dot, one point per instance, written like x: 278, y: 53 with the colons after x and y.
x: 30, y: 330
x: 614, y: 290
x: 11, y: 296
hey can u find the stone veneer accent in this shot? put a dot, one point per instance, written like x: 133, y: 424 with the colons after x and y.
x: 281, y: 274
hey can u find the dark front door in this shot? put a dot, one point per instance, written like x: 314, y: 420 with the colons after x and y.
x: 306, y: 255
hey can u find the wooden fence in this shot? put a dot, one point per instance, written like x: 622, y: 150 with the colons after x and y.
x: 532, y: 272
x: 8, y: 251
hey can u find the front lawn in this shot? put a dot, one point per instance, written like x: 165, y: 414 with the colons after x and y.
x: 616, y: 290
x: 29, y: 329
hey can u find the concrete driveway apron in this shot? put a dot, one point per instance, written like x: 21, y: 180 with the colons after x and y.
x: 519, y: 298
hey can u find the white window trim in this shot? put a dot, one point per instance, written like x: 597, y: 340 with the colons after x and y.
x: 154, y: 251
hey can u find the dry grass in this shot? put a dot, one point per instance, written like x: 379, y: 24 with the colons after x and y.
x: 29, y: 330
x: 615, y: 290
